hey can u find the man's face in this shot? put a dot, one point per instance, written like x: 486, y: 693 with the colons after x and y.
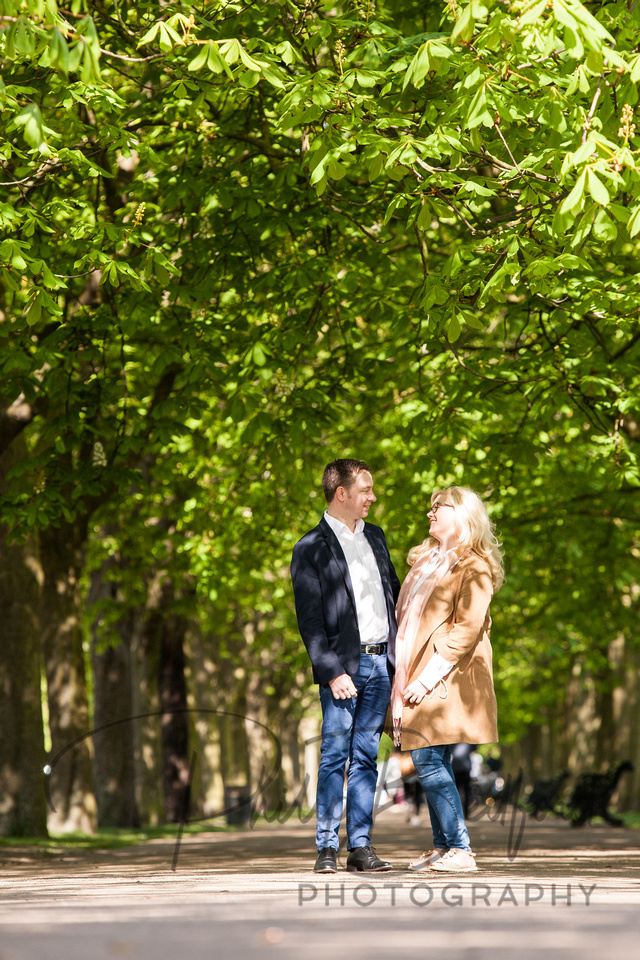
x: 359, y: 496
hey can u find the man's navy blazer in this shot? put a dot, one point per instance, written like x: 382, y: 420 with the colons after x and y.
x: 325, y: 603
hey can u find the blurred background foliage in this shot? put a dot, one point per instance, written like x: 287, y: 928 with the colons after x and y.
x: 241, y: 240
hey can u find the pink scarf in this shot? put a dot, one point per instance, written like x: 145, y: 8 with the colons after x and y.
x: 424, y: 576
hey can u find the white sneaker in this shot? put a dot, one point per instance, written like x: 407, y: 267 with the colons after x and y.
x: 455, y: 861
x: 425, y: 860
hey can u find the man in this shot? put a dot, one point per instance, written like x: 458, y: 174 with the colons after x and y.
x: 345, y: 590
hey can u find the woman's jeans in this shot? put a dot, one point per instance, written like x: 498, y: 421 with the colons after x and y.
x: 433, y: 766
x: 351, y: 731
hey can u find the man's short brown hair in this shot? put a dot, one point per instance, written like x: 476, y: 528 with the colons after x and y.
x: 340, y: 473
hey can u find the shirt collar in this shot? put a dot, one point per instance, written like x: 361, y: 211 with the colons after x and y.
x: 341, y: 529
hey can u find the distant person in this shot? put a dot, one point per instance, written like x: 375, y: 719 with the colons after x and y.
x: 461, y: 754
x: 413, y: 792
x: 345, y: 589
x: 389, y: 786
x: 443, y: 688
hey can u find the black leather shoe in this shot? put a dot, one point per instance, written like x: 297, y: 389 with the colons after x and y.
x: 326, y: 862
x: 365, y: 859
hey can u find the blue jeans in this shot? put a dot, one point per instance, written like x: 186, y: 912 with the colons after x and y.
x: 433, y: 766
x: 351, y: 731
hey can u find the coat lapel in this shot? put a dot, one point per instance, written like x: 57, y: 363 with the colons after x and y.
x: 442, y: 601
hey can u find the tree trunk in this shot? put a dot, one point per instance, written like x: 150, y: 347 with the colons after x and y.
x: 169, y: 629
x: 114, y: 766
x: 147, y: 731
x: 23, y: 810
x: 627, y: 713
x: 71, y: 784
x: 204, y: 701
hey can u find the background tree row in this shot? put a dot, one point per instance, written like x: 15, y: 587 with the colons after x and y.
x: 240, y: 242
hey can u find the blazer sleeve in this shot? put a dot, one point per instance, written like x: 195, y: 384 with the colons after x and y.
x: 394, y: 580
x: 468, y: 617
x: 307, y: 591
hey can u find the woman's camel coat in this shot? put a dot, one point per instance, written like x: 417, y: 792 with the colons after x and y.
x: 456, y: 624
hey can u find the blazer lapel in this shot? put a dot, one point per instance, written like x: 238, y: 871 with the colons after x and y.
x: 336, y: 551
x: 377, y: 550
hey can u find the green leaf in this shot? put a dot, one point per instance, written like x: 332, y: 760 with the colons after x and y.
x: 288, y: 52
x: 596, y: 188
x: 493, y: 285
x: 336, y: 170
x: 248, y: 61
x: 634, y: 63
x: 478, y: 111
x: 573, y: 202
x: 375, y: 166
x: 272, y: 77
x: 249, y: 79
x: 582, y: 153
x: 574, y: 15
x: 604, y: 228
x: 31, y: 119
x: 465, y: 26
x: 471, y: 320
x: 150, y: 34
x: 418, y: 68
x: 633, y: 226
x: 532, y: 12
x: 230, y: 50
x: 366, y: 79
x: 595, y: 62
x: 200, y: 59
x: 166, y: 40
x: 17, y: 260
x: 33, y: 313
x: 454, y: 327
x: 573, y: 43
x: 24, y: 37
x: 258, y: 355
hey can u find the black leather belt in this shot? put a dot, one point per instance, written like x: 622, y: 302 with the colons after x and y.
x: 373, y: 647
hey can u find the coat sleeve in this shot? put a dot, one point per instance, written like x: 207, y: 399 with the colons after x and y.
x: 307, y: 591
x: 469, y: 616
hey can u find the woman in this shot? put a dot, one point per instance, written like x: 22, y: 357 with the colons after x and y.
x: 443, y: 687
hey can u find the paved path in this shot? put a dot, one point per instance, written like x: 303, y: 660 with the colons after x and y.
x: 543, y: 889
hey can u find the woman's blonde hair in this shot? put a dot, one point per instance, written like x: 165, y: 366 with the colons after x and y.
x: 474, y: 531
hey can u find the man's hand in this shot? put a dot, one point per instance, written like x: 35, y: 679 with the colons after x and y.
x: 414, y: 693
x: 342, y: 687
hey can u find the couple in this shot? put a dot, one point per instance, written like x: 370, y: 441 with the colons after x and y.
x: 433, y: 665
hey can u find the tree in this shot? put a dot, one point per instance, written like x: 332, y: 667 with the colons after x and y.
x: 23, y: 810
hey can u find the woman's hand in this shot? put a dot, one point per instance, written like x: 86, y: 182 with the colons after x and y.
x: 414, y: 693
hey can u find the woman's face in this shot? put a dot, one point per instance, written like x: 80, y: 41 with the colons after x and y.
x: 442, y: 521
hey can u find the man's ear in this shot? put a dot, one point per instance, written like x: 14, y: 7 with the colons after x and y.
x: 340, y: 494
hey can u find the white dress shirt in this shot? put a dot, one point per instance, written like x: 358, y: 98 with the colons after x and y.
x: 371, y: 609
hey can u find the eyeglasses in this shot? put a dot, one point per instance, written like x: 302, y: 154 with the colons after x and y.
x: 436, y: 506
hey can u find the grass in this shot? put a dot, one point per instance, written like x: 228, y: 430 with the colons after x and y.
x: 110, y: 838
x: 631, y: 819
